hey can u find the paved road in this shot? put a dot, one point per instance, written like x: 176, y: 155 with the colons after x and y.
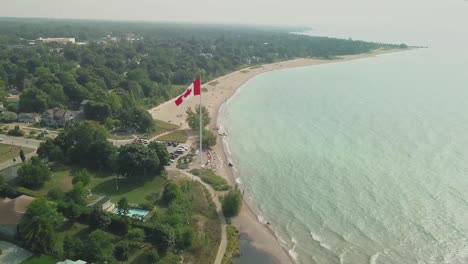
x: 214, y: 197
x: 20, y: 141
x: 10, y: 162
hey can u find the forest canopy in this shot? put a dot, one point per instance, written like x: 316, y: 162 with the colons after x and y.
x: 126, y: 66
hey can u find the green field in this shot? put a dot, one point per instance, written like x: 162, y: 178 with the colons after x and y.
x: 209, y: 176
x: 43, y: 259
x: 61, y: 179
x: 160, y: 127
x: 177, y: 136
x: 135, y: 191
x: 8, y: 152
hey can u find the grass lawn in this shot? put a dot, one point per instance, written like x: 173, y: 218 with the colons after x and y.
x: 43, y: 259
x: 209, y: 176
x: 159, y: 128
x: 8, y: 152
x: 60, y: 179
x: 135, y: 191
x: 178, y: 136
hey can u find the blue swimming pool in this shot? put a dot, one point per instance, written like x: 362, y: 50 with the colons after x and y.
x: 134, y: 211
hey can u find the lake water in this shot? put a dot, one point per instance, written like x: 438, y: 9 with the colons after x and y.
x: 363, y: 161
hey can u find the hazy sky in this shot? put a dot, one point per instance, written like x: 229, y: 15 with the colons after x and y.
x: 385, y: 15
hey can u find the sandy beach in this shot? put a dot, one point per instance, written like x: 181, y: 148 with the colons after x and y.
x: 214, y: 94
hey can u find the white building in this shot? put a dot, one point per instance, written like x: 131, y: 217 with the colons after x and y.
x: 55, y: 40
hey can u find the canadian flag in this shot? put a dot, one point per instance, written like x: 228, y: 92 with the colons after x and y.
x: 191, y: 91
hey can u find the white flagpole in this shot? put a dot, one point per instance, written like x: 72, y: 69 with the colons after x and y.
x: 201, y: 128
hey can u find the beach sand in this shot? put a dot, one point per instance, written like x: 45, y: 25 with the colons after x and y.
x: 214, y: 94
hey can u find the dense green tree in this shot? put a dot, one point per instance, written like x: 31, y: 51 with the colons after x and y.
x: 153, y: 256
x: 4, y: 186
x: 208, y: 139
x: 34, y: 173
x: 99, y: 248
x: 22, y: 156
x: 36, y: 228
x: 98, y: 219
x: 135, y: 235
x: 56, y: 95
x: 83, y: 144
x: 122, y: 207
x: 77, y: 194
x: 55, y: 194
x: 71, y: 210
x: 232, y: 203
x: 82, y: 176
x: 137, y: 160
x: 97, y: 111
x: 193, y: 118
x: 137, y: 119
x: 171, y: 192
x: 162, y: 237
x: 121, y: 252
x: 8, y: 117
x: 33, y: 100
x: 161, y: 151
x: 48, y: 149
x: 3, y: 90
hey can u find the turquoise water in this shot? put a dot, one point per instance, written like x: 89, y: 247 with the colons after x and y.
x: 359, y: 162
x: 131, y: 212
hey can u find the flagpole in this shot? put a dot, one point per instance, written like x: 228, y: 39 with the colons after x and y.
x: 201, y: 127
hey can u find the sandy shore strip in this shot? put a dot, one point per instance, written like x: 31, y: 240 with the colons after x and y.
x: 214, y: 95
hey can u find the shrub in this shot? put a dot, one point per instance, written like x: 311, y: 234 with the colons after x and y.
x: 16, y: 132
x: 209, y: 176
x: 232, y: 203
x: 118, y: 226
x: 33, y: 174
x: 82, y: 176
x: 55, y: 194
x: 8, y: 117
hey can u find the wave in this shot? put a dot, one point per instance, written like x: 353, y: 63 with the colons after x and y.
x: 373, y: 258
x: 319, y: 240
x: 261, y: 219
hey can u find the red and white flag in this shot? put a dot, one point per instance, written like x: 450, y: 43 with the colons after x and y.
x: 193, y: 90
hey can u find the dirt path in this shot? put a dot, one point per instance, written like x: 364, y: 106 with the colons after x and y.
x: 214, y: 197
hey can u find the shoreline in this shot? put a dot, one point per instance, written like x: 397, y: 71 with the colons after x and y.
x: 215, y: 94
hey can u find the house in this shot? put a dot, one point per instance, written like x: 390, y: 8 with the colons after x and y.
x: 67, y: 261
x: 30, y: 118
x: 105, y: 203
x: 55, y: 40
x: 58, y: 117
x: 12, y: 211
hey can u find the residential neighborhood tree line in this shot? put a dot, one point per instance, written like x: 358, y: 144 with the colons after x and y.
x: 121, y: 77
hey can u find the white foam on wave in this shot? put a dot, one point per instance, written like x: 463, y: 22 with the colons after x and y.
x: 261, y: 220
x: 319, y: 240
x: 293, y: 254
x: 238, y: 180
x: 292, y: 251
x: 373, y: 258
